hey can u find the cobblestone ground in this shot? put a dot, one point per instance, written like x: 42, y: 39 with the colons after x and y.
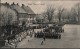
x: 70, y: 39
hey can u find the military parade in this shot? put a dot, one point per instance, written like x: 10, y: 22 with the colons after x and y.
x: 37, y: 25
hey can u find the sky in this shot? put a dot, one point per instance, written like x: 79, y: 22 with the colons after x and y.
x: 39, y: 6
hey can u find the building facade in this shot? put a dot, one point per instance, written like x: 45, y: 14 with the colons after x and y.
x: 23, y: 13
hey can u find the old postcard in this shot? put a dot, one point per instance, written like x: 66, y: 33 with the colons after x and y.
x: 39, y: 24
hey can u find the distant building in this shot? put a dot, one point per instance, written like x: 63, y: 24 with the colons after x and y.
x: 30, y: 14
x: 19, y: 11
x: 24, y: 13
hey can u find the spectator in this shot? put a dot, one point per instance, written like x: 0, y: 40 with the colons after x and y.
x: 44, y: 37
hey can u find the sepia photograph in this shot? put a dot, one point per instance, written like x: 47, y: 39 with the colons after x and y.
x: 39, y: 23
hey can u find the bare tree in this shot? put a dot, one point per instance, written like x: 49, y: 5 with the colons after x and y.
x: 50, y: 12
x: 60, y: 11
x: 66, y: 15
x: 76, y: 11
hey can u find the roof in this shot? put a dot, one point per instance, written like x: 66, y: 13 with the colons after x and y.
x: 5, y: 4
x: 28, y: 9
x: 17, y: 8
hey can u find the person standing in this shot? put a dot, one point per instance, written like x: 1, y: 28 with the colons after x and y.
x: 44, y: 37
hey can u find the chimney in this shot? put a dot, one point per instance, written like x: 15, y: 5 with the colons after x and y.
x: 22, y: 4
x: 17, y: 4
x: 13, y: 3
x: 6, y: 3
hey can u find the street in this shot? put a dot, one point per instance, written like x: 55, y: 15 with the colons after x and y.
x: 69, y: 39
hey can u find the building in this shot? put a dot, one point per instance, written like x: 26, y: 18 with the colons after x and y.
x: 24, y: 13
x: 21, y: 14
x: 30, y: 14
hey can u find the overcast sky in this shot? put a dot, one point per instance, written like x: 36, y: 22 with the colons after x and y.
x: 39, y: 6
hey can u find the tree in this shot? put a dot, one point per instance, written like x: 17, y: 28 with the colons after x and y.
x: 50, y: 12
x: 39, y: 18
x: 76, y: 11
x: 7, y: 16
x: 60, y: 11
x: 73, y: 16
x: 66, y: 15
x: 44, y: 17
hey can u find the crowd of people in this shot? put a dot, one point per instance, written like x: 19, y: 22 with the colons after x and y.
x: 13, y: 34
x: 20, y: 33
